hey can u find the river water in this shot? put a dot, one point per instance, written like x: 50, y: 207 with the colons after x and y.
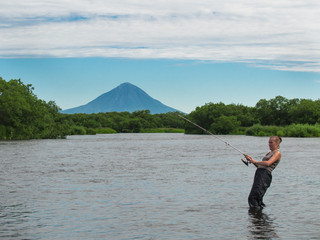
x: 155, y: 186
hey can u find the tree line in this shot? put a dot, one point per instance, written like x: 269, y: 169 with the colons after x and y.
x: 24, y: 116
x: 277, y: 116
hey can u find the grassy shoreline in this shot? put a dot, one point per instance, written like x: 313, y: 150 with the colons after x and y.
x: 293, y: 130
x: 79, y: 130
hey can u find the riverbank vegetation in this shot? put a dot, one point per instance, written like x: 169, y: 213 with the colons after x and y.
x: 277, y: 116
x: 24, y: 116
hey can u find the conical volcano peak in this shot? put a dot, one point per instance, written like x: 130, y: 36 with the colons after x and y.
x: 126, y: 84
x: 124, y: 98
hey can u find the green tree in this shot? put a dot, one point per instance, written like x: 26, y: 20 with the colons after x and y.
x: 169, y: 120
x: 306, y: 112
x: 131, y: 125
x: 275, y: 111
x: 213, y: 115
x: 225, y: 125
x: 24, y: 115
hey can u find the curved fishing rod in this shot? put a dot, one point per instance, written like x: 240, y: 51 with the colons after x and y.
x: 228, y: 144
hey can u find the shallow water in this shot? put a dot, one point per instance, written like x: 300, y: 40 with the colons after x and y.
x: 155, y: 186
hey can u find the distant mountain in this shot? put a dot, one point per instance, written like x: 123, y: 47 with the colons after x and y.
x: 126, y: 97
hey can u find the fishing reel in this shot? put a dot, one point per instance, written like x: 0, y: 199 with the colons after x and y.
x: 245, y: 161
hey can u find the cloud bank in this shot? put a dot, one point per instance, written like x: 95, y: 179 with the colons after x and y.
x: 277, y: 34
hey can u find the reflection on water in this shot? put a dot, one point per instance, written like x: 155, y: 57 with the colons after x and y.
x: 261, y: 226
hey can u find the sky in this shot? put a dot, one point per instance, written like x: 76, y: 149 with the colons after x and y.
x: 184, y: 53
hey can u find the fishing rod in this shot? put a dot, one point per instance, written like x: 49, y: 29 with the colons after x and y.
x: 228, y: 144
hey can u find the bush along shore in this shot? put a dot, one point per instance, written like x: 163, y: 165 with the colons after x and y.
x: 293, y: 130
x: 24, y: 116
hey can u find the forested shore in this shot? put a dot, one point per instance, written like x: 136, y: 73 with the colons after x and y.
x: 24, y: 116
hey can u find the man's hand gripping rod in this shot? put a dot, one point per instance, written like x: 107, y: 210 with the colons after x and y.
x: 228, y: 144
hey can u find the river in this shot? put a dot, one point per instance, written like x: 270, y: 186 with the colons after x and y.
x: 155, y: 186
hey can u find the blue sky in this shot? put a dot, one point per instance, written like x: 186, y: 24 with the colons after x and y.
x: 184, y: 54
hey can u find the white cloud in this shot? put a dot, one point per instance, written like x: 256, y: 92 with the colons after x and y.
x: 279, y: 34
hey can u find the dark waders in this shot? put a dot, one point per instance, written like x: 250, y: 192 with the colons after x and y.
x: 262, y: 180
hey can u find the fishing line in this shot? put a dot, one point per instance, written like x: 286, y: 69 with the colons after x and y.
x: 228, y: 144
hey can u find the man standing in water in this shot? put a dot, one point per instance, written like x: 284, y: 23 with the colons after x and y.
x: 263, y: 177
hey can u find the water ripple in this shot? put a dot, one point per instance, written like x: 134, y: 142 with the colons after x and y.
x: 154, y: 186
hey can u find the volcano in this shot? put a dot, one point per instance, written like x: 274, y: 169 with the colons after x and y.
x: 124, y: 98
